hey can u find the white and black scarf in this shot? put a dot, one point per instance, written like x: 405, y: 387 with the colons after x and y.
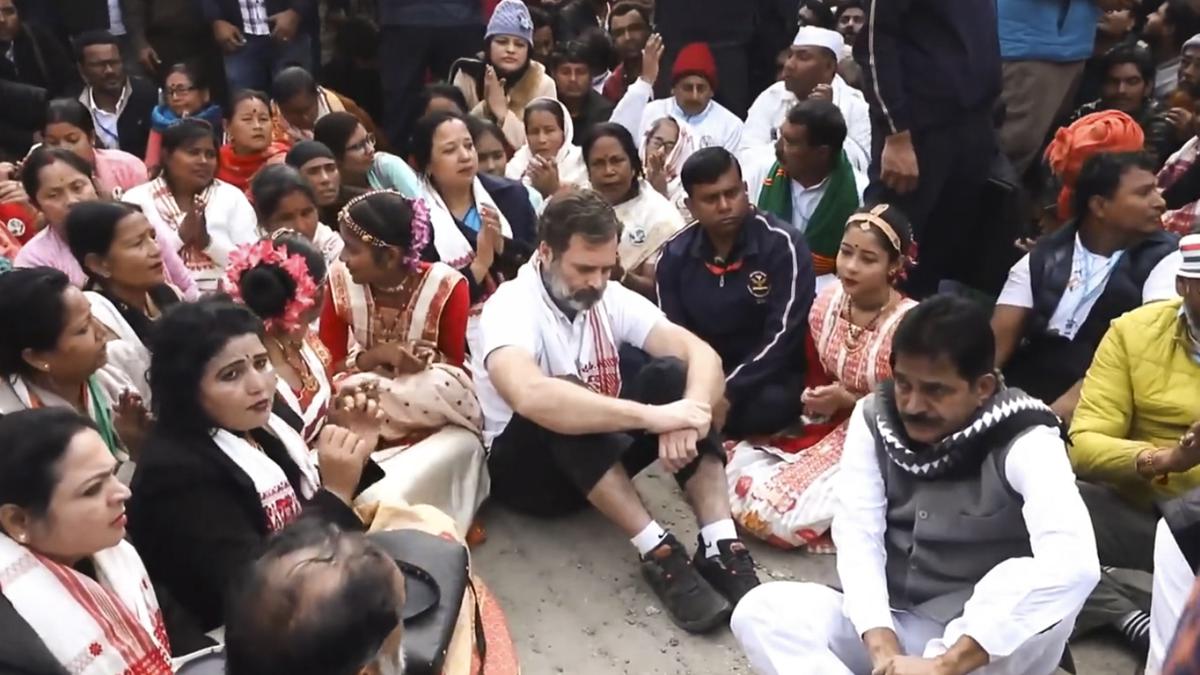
x: 999, y: 420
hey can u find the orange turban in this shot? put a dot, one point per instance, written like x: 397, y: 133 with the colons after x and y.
x: 1090, y: 135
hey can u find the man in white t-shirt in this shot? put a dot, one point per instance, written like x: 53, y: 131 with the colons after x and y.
x: 564, y: 430
x: 1060, y: 299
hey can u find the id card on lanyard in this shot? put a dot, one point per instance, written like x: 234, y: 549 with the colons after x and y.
x: 1091, y: 283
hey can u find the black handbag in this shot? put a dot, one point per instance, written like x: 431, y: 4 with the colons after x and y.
x: 436, y: 574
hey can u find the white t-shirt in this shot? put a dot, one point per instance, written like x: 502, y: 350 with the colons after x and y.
x: 1081, y: 294
x: 521, y: 314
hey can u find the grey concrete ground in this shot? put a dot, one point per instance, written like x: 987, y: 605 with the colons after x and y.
x: 577, y: 605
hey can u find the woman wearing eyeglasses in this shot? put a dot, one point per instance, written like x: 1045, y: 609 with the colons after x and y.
x: 185, y: 93
x: 360, y: 164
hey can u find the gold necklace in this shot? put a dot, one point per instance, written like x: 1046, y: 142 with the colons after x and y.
x: 855, y: 333
x: 295, y: 360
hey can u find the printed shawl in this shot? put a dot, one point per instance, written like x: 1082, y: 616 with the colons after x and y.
x: 828, y: 222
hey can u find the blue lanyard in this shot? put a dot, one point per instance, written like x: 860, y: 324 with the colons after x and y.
x: 1090, y: 294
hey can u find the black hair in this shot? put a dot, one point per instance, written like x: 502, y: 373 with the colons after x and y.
x: 823, y: 125
x: 33, y: 297
x: 93, y: 38
x: 822, y: 14
x: 706, y: 167
x: 274, y: 182
x: 42, y: 157
x: 1101, y: 176
x: 570, y: 52
x: 480, y: 127
x: 552, y: 107
x: 195, y: 73
x: 291, y: 82
x: 598, y: 45
x: 34, y: 442
x: 91, y: 228
x: 844, y: 5
x: 1131, y: 52
x: 69, y: 111
x: 318, y: 601
x: 442, y: 90
x: 185, y: 339
x: 421, y: 142
x: 952, y: 326
x: 267, y: 288
x: 335, y: 130
x: 387, y: 216
x: 540, y: 18
x: 1185, y: 20
x: 614, y: 130
x: 180, y: 135
x: 900, y: 224
x: 623, y: 8
x: 244, y: 95
x: 577, y: 212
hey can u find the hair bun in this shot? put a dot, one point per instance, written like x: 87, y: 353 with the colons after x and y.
x: 266, y: 289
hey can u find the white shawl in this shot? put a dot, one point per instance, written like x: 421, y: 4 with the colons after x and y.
x: 110, y: 624
x: 685, y: 146
x: 451, y: 244
x: 279, y: 502
x: 572, y: 169
x: 128, y: 359
x: 318, y: 407
x: 648, y: 221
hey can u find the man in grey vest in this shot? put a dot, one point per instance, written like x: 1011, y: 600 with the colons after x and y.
x: 963, y: 544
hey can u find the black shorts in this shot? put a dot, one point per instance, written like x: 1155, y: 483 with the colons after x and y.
x: 544, y: 473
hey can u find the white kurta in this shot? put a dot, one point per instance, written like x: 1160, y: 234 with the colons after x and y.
x: 771, y: 107
x: 716, y: 125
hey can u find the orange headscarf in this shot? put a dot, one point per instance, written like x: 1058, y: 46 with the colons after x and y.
x: 1090, y: 135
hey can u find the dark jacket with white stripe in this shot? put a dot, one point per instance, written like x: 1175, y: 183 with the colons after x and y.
x: 926, y: 62
x: 755, y: 314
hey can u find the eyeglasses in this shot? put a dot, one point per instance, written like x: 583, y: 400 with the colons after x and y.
x: 182, y: 90
x: 363, y: 145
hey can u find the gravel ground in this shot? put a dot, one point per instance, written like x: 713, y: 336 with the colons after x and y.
x: 577, y: 605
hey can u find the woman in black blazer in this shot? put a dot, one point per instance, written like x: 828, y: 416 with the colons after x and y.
x: 219, y: 472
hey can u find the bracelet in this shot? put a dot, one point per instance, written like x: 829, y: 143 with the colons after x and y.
x: 352, y: 360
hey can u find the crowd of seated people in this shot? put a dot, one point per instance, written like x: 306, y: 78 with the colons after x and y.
x: 915, y: 284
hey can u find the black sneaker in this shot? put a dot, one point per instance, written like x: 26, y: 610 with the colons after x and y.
x: 690, y: 601
x: 731, y: 572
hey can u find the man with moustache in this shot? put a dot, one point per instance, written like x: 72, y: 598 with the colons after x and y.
x: 743, y: 281
x: 629, y: 25
x: 963, y: 543
x: 120, y: 104
x: 564, y: 430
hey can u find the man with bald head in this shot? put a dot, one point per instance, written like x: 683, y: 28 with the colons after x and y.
x: 319, y: 601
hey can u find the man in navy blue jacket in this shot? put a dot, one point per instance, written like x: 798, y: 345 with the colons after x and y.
x: 259, y: 38
x: 743, y: 282
x: 931, y: 72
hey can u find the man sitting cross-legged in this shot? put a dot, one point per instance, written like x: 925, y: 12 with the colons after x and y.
x: 564, y: 430
x: 963, y: 543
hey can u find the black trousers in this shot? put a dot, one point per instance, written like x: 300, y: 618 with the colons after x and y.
x: 771, y: 408
x: 405, y: 54
x: 544, y: 473
x: 955, y: 161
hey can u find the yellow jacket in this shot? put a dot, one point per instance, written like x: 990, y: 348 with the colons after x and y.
x: 1141, y: 391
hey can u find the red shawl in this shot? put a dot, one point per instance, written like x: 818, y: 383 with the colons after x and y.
x: 239, y: 170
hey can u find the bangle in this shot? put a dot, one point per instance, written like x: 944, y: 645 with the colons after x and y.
x: 1144, y: 464
x: 352, y: 360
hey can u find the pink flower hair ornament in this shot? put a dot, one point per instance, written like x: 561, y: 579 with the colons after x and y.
x: 249, y: 256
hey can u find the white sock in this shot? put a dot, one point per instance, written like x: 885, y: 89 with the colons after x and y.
x: 713, y: 532
x: 649, y: 538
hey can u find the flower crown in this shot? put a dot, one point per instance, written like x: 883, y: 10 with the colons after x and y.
x: 265, y: 252
x: 420, y: 226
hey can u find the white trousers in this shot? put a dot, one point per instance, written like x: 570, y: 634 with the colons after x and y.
x: 1173, y: 579
x: 788, y: 628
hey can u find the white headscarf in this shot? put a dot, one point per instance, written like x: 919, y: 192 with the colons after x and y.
x: 572, y: 169
x: 685, y: 147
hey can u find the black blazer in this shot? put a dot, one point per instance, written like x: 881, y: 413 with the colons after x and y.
x: 134, y: 124
x: 40, y: 60
x: 196, y: 518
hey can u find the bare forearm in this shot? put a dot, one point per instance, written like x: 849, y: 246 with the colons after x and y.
x: 964, y: 656
x: 881, y: 644
x: 545, y: 401
x: 705, y: 378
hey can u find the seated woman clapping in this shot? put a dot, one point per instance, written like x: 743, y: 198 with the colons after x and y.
x: 76, y: 597
x: 115, y: 245
x: 549, y: 160
x: 219, y: 472
x: 51, y: 351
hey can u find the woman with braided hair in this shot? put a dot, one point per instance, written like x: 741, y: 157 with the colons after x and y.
x: 397, y: 326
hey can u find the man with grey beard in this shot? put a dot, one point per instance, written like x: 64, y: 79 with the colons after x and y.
x: 319, y: 601
x: 565, y: 431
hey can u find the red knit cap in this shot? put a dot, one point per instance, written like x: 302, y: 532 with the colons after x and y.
x: 695, y: 59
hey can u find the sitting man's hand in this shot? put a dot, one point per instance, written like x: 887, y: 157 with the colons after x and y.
x: 682, y: 414
x: 677, y: 449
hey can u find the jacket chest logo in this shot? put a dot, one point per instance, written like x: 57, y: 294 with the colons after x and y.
x: 758, y: 284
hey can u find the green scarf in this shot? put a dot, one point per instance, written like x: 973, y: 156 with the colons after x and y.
x: 102, y: 416
x: 828, y: 222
